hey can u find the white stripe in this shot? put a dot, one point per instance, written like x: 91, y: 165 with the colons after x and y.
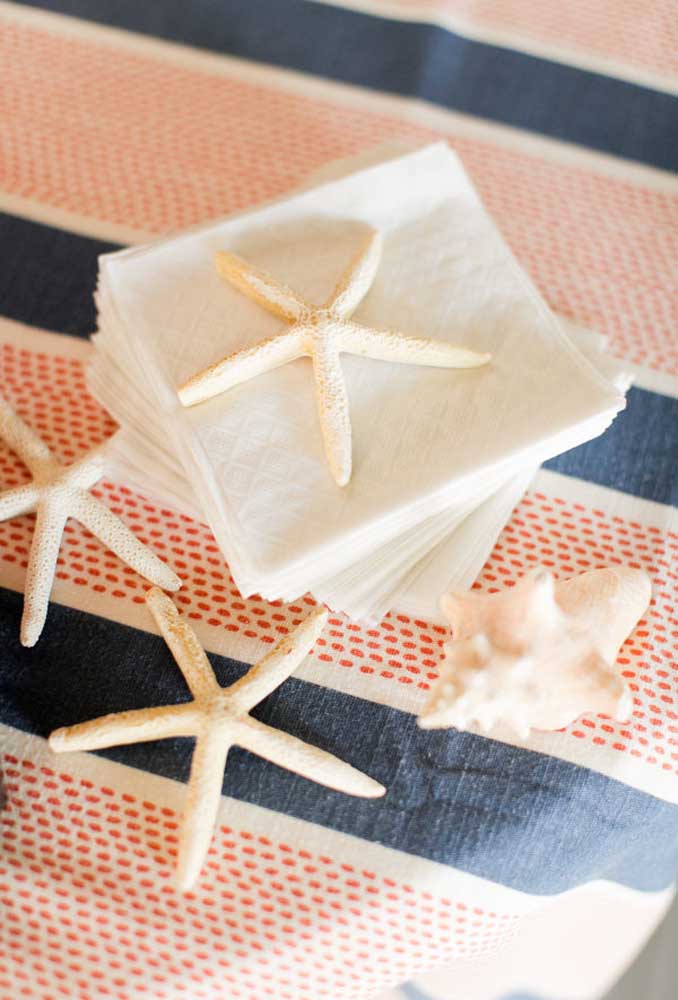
x: 456, y: 22
x: 649, y: 513
x: 34, y: 339
x: 413, y: 110
x: 72, y: 222
x: 653, y: 380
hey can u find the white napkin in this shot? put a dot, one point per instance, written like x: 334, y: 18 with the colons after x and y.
x: 426, y: 442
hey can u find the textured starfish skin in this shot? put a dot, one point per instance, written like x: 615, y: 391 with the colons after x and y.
x: 56, y: 493
x: 218, y: 718
x: 321, y: 333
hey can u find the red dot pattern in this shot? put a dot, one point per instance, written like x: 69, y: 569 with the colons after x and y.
x: 566, y: 537
x: 89, y: 909
x: 130, y: 139
x: 642, y: 36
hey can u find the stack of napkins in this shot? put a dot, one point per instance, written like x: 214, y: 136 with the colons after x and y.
x: 440, y: 456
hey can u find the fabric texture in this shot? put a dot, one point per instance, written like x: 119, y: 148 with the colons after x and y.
x: 123, y: 122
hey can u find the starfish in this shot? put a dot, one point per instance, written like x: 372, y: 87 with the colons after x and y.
x: 218, y: 718
x: 56, y: 493
x: 539, y: 654
x: 320, y: 333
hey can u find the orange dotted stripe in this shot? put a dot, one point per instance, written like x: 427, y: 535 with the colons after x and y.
x: 155, y: 158
x: 85, y: 885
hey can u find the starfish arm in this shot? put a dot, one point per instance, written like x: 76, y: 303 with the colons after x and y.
x: 17, y: 501
x: 357, y: 278
x: 265, y: 676
x: 117, y: 537
x: 242, y: 366
x: 33, y: 452
x: 202, y: 803
x: 259, y: 286
x: 49, y: 526
x: 184, y: 646
x: 121, y: 728
x: 332, y: 403
x: 386, y: 345
x: 311, y: 762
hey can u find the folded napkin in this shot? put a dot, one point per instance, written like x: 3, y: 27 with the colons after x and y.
x: 430, y: 445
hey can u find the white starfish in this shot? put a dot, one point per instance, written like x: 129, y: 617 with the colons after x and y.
x: 56, y: 493
x: 320, y: 333
x: 219, y: 719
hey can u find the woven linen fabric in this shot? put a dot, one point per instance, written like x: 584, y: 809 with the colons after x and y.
x: 489, y: 870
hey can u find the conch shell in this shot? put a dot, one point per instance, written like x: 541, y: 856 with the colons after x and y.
x: 539, y: 654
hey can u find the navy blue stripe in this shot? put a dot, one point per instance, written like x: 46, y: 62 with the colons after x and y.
x: 414, y: 59
x: 637, y: 454
x: 50, y: 275
x: 524, y: 819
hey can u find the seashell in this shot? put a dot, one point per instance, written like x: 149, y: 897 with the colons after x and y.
x: 539, y: 654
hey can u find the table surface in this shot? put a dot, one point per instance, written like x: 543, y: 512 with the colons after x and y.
x: 122, y: 121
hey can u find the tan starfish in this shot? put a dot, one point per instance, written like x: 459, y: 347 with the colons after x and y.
x: 321, y: 333
x: 539, y: 654
x: 56, y: 493
x: 219, y: 719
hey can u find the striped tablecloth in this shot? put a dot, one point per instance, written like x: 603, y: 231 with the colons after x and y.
x: 518, y: 869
